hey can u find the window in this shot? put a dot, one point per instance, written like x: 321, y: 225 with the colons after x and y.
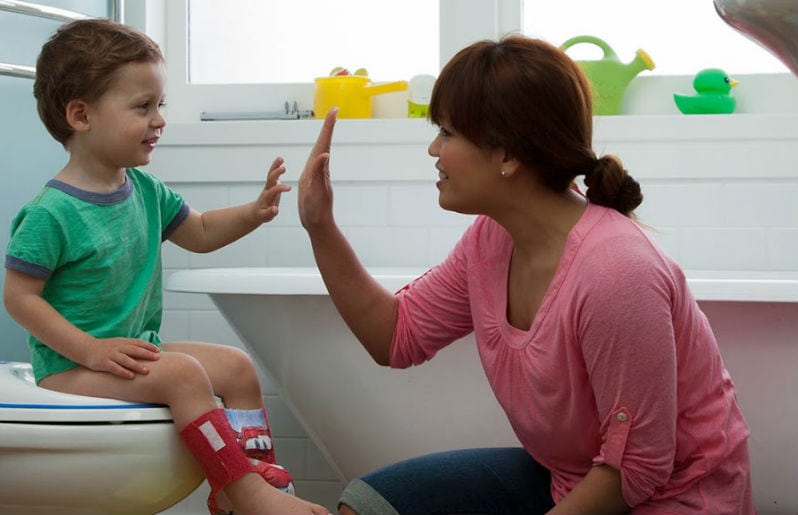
x: 251, y: 41
x: 459, y: 23
x: 194, y: 89
x: 681, y: 36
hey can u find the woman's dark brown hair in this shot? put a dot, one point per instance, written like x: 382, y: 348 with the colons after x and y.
x: 530, y: 99
x: 78, y: 63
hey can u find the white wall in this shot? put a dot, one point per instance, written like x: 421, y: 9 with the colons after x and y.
x: 720, y: 194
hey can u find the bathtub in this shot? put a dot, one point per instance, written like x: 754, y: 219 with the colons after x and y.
x: 363, y: 416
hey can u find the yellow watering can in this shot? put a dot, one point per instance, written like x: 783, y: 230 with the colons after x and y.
x: 609, y: 77
x: 351, y: 94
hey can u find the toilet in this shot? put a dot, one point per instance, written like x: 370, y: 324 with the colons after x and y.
x: 63, y: 454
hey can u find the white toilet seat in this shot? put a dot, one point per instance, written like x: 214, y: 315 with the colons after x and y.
x: 21, y: 400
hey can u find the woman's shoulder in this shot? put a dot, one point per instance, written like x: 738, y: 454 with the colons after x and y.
x: 617, y: 249
x: 485, y: 238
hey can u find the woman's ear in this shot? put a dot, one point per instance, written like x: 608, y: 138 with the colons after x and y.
x: 510, y: 165
x: 77, y: 115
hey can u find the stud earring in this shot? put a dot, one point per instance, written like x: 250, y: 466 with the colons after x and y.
x: 503, y: 173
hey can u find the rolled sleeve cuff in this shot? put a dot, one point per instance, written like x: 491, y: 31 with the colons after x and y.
x: 617, y: 435
x: 614, y: 448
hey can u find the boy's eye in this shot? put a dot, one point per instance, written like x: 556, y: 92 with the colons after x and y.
x: 444, y: 132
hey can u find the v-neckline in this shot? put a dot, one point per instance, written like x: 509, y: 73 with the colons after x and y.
x: 519, y: 338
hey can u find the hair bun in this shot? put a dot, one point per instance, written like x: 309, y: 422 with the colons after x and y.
x: 609, y: 184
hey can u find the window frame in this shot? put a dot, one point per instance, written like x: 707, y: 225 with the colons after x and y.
x: 166, y: 22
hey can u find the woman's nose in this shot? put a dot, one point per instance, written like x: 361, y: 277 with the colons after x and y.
x: 433, y: 147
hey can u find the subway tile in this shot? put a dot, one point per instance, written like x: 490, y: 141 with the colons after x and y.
x: 783, y: 249
x: 389, y: 246
x: 290, y: 454
x: 760, y: 204
x: 210, y: 326
x: 241, y: 193
x: 724, y: 249
x: 417, y: 206
x: 289, y: 246
x: 173, y: 256
x: 175, y: 325
x: 251, y: 250
x: 666, y: 204
x: 284, y: 423
x: 204, y: 196
x: 318, y: 468
x: 356, y: 205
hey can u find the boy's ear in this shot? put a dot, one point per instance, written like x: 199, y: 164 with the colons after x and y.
x: 77, y: 115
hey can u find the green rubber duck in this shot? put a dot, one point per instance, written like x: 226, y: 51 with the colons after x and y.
x: 713, y: 94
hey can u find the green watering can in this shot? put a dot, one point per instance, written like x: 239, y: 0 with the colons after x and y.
x: 609, y: 77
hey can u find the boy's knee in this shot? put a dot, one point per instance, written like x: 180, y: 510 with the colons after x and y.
x: 240, y: 362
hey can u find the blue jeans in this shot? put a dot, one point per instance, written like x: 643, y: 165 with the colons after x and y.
x: 494, y: 481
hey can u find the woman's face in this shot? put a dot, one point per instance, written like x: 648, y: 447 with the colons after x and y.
x: 467, y: 174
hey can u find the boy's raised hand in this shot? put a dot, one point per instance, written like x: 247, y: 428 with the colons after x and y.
x: 268, y: 202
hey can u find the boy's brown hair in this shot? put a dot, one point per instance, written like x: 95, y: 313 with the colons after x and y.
x: 79, y: 62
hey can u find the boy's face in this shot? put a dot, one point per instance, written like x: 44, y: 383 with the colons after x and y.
x: 126, y: 122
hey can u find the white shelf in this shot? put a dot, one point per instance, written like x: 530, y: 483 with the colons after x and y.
x: 680, y: 147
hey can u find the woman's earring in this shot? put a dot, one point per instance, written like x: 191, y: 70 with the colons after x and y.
x: 503, y: 173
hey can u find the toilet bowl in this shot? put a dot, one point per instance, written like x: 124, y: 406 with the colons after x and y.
x: 66, y: 454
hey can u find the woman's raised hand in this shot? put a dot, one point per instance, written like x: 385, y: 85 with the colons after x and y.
x: 315, y: 195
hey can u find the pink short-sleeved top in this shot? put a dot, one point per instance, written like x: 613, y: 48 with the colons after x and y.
x: 619, y: 366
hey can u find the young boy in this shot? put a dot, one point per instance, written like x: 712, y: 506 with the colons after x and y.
x: 84, y: 265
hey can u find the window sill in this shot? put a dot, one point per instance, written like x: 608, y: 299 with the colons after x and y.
x: 414, y: 130
x: 760, y: 146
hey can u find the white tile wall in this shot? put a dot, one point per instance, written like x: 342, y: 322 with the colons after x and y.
x: 707, y: 219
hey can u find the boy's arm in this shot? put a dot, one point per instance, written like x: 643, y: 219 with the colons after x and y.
x: 119, y: 356
x: 212, y: 230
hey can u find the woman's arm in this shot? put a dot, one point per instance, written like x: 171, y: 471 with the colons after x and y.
x: 599, y: 493
x: 369, y: 310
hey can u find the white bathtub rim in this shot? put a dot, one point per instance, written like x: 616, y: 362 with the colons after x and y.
x: 735, y: 286
x: 273, y: 280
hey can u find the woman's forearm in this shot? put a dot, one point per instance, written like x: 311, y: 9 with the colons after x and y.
x: 599, y: 493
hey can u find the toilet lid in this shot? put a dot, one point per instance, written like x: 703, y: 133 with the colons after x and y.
x: 22, y: 401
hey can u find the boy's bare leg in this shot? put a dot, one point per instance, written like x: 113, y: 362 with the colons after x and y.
x: 231, y: 371
x: 180, y: 381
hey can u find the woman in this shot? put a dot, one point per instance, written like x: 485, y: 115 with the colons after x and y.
x: 591, y: 340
